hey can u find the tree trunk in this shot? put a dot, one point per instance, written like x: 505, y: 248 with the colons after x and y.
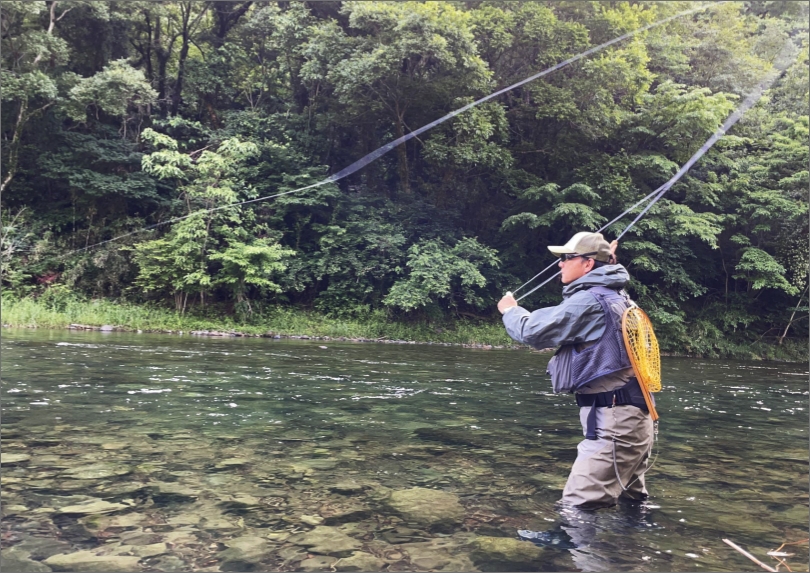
x: 402, y: 154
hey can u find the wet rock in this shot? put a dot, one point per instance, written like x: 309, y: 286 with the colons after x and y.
x: 441, y: 554
x: 335, y: 514
x: 114, y: 446
x: 97, y: 506
x: 244, y: 553
x: 318, y: 563
x: 90, y: 562
x: 169, y: 563
x: 327, y: 541
x: 139, y: 537
x: 13, y: 459
x: 311, y: 519
x: 148, y: 550
x: 320, y: 463
x: 347, y: 487
x: 232, y: 462
x: 404, y: 535
x: 97, y: 471
x: 102, y: 522
x: 426, y: 507
x: 41, y: 547
x: 360, y: 561
x: 505, y: 554
x: 291, y: 554
x: 107, y: 328
x: 16, y: 561
x: 239, y: 501
x: 172, y: 491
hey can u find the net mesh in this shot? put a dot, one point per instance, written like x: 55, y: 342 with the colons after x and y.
x: 642, y: 346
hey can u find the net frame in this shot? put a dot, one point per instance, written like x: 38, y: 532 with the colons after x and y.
x: 645, y: 357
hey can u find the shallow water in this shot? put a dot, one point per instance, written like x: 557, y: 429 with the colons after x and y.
x: 201, y: 441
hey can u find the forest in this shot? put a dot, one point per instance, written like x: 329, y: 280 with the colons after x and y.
x: 125, y: 123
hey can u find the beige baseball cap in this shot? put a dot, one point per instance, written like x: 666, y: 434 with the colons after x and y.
x: 583, y: 243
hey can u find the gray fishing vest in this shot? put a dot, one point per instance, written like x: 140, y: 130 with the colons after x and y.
x: 570, y: 369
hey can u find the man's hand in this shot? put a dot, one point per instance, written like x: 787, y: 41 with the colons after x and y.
x: 506, y: 303
x: 613, y: 246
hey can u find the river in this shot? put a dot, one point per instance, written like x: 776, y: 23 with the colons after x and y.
x: 171, y: 453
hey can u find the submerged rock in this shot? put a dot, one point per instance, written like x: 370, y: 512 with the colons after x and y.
x: 311, y: 519
x: 232, y: 462
x: 505, y: 554
x: 19, y: 562
x: 347, y: 487
x: 93, y: 507
x: 96, y: 471
x: 360, y: 561
x: 13, y: 459
x: 326, y: 541
x: 88, y: 561
x: 426, y: 506
x: 243, y: 553
x: 318, y: 563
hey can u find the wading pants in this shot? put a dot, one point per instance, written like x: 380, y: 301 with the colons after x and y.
x: 593, y: 482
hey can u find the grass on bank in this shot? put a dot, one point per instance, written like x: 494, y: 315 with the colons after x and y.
x: 60, y: 311
x: 286, y: 321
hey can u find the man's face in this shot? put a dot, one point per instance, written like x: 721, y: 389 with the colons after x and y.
x: 572, y: 269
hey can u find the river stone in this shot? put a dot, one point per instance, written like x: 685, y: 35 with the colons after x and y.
x: 16, y: 561
x: 318, y: 563
x: 327, y: 541
x: 42, y: 547
x: 335, y: 514
x: 311, y: 519
x: 101, y: 522
x: 114, y: 446
x: 360, y: 561
x: 243, y: 553
x: 148, y: 550
x: 232, y: 462
x: 506, y: 554
x: 347, y: 487
x: 93, y: 507
x: 426, y: 506
x: 12, y: 459
x: 97, y: 471
x: 88, y: 561
x: 168, y: 563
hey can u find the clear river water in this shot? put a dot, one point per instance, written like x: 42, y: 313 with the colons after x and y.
x: 144, y: 452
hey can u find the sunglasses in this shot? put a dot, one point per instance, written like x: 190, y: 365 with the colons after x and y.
x: 569, y: 256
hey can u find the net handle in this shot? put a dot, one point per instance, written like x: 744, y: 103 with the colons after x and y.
x: 641, y: 382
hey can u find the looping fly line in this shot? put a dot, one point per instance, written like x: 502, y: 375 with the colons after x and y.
x: 363, y: 161
x: 783, y: 61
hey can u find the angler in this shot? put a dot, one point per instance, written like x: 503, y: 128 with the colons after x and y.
x: 592, y: 362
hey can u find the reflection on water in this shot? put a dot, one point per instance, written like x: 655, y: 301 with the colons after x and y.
x: 150, y: 452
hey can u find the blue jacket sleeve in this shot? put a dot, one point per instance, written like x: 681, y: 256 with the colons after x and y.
x: 577, y: 319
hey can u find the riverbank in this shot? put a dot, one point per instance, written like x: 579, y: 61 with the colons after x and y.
x: 277, y: 322
x: 289, y: 322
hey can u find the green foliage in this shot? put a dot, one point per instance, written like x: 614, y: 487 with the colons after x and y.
x: 439, y: 272
x: 120, y: 116
x: 112, y: 91
x: 760, y: 270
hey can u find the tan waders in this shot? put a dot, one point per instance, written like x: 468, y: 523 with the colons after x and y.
x: 593, y: 481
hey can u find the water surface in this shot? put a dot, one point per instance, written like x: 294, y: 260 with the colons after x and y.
x: 203, y: 441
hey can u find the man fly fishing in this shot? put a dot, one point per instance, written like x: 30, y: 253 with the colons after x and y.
x: 592, y: 363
